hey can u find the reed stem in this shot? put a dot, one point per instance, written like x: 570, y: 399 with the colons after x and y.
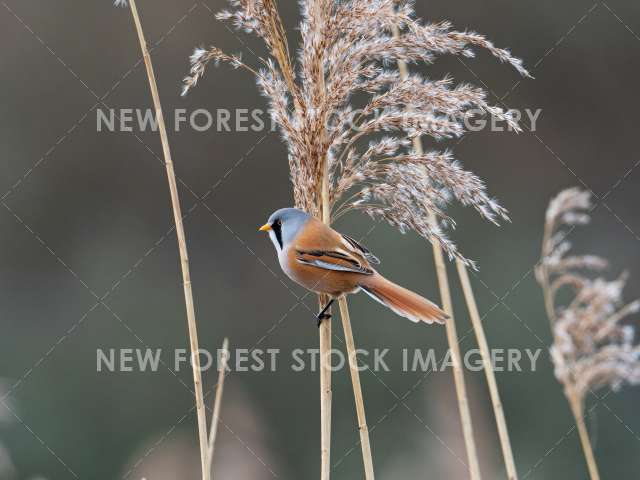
x: 577, y: 408
x: 325, y: 397
x: 182, y: 244
x: 501, y: 422
x: 363, y: 429
x: 452, y: 334
x: 324, y: 331
x: 456, y: 359
x: 217, y: 403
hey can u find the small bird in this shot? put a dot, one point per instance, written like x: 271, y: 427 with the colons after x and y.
x: 324, y: 261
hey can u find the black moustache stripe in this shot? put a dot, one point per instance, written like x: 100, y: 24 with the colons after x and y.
x: 277, y: 229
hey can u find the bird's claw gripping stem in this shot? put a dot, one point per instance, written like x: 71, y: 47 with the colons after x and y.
x: 322, y: 316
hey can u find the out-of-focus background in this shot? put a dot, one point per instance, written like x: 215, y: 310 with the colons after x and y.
x: 89, y: 260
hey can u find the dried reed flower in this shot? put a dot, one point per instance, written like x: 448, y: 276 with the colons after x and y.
x: 347, y: 48
x: 592, y: 345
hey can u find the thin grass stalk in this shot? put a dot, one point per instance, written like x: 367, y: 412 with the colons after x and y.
x: 217, y: 403
x: 363, y: 429
x: 182, y: 244
x: 325, y: 395
x: 452, y: 334
x: 544, y: 272
x: 577, y: 408
x: 594, y: 341
x: 324, y: 329
x: 456, y: 359
x: 346, y: 323
x: 498, y: 411
x: 575, y: 402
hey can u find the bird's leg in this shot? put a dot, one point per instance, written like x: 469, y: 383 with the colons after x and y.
x: 323, y: 315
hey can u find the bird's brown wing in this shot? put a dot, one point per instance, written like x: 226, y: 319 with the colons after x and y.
x: 332, y: 260
x: 321, y: 246
x: 356, y: 246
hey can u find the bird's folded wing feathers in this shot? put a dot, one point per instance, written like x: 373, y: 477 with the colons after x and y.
x: 333, y: 260
x: 352, y: 244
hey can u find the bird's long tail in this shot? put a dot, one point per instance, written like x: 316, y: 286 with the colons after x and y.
x: 402, y: 301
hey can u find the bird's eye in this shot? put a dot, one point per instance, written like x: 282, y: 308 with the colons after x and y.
x: 278, y: 222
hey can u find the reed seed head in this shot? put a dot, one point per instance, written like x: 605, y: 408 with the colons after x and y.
x: 348, y: 50
x: 594, y: 346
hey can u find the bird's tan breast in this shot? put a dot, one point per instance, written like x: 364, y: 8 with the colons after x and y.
x: 318, y: 279
x: 318, y: 237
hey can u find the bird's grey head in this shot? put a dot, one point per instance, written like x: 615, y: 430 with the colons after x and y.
x: 283, y: 226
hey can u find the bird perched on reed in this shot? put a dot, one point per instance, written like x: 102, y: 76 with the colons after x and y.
x: 325, y: 261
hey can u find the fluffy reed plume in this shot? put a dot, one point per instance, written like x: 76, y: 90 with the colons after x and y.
x: 182, y: 242
x: 351, y: 46
x: 344, y: 156
x: 592, y: 346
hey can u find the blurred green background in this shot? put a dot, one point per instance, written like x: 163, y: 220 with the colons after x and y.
x: 85, y: 216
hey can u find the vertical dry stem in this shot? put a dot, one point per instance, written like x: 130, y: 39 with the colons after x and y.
x: 325, y: 325
x: 452, y: 335
x: 325, y: 397
x: 456, y: 358
x: 357, y: 389
x: 578, y: 412
x: 325, y: 356
x: 217, y: 403
x: 182, y: 244
x: 503, y: 432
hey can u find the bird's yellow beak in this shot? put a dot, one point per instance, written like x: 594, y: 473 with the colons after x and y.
x: 265, y: 228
